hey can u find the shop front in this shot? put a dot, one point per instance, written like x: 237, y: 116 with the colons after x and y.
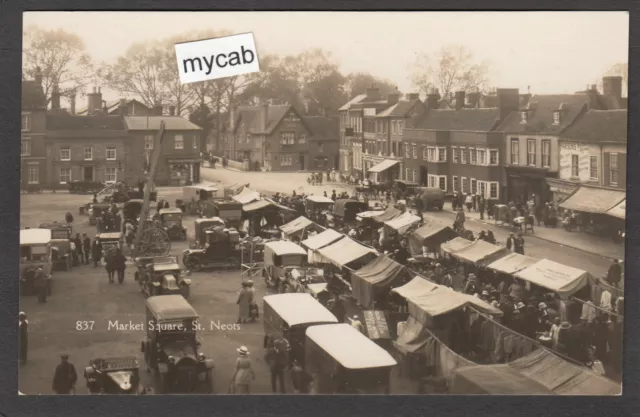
x: 384, y: 171
x: 184, y: 172
x: 561, y: 189
x: 525, y: 183
x: 600, y: 211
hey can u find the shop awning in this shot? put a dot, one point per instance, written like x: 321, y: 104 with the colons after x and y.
x: 494, y: 380
x: 297, y: 225
x: 255, y: 206
x: 434, y: 232
x: 563, y: 377
x: 593, y: 200
x: 455, y: 245
x: 322, y: 239
x: 383, y: 166
x: 389, y: 214
x: 246, y: 196
x: 415, y: 287
x: 380, y: 273
x: 369, y: 214
x: 561, y: 279
x: 412, y: 338
x: 443, y: 300
x: 479, y: 252
x: 345, y: 251
x: 619, y: 210
x: 403, y: 222
x: 320, y: 199
x: 512, y: 263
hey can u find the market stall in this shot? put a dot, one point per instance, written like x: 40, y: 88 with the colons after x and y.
x: 561, y: 279
x: 512, y: 263
x: 374, y: 278
x: 455, y: 245
x: 389, y: 214
x: 479, y: 253
x: 368, y: 214
x: 319, y: 241
x: 403, y: 222
x: 431, y: 236
x: 348, y: 252
x: 246, y: 196
x: 297, y: 227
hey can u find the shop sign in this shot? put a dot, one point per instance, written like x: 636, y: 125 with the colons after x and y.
x: 376, y: 325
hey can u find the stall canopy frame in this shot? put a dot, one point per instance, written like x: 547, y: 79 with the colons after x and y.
x: 345, y: 251
x: 512, y: 263
x: 322, y: 239
x: 382, y: 272
x: 480, y: 251
x: 561, y: 279
x: 296, y: 225
x: 403, y: 222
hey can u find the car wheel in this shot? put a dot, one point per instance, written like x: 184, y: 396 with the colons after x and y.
x: 193, y: 264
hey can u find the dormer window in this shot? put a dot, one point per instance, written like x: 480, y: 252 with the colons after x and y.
x: 556, y: 117
x: 523, y: 116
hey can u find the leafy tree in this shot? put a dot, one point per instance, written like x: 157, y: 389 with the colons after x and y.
x: 203, y: 117
x: 357, y: 83
x: 453, y: 68
x: 61, y: 57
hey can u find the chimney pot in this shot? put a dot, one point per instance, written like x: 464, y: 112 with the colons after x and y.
x: 508, y: 101
x: 172, y: 110
x: 55, y: 98
x: 612, y: 86
x: 72, y: 102
x: 459, y: 100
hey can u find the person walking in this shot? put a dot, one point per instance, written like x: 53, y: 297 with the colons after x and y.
x: 475, y: 202
x: 78, y: 243
x: 41, y: 285
x: 481, y: 206
x: 469, y: 202
x: 23, y: 326
x: 277, y: 358
x: 614, y: 274
x: 518, y: 244
x: 245, y: 298
x: 96, y: 252
x: 86, y: 247
x: 120, y: 263
x: 510, y: 242
x: 244, y: 373
x: 110, y: 260
x: 65, y: 377
x: 460, y: 216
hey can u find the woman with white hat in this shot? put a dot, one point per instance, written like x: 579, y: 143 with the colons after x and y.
x: 244, y: 373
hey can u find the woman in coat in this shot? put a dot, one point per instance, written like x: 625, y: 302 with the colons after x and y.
x: 120, y: 265
x: 245, y: 298
x: 96, y: 252
x: 244, y: 373
x: 110, y: 260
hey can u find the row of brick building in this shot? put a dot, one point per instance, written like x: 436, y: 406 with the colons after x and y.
x: 105, y: 142
x: 504, y: 145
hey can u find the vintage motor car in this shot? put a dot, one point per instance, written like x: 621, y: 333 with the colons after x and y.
x: 278, y: 255
x: 171, y: 350
x: 171, y: 220
x: 110, y: 242
x: 230, y: 211
x: 161, y: 275
x: 113, y: 376
x: 346, y: 210
x: 198, y: 199
x: 408, y: 188
x: 288, y: 316
x: 85, y: 187
x: 62, y: 257
x: 298, y: 279
x: 35, y: 251
x: 221, y: 249
x: 95, y: 212
x: 200, y: 227
x: 342, y: 360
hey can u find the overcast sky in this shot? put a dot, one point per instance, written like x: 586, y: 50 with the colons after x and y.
x: 553, y: 52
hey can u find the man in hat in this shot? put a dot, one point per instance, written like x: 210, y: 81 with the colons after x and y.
x: 41, y: 285
x: 65, y: 377
x: 614, y: 274
x: 86, y: 247
x: 510, y: 241
x: 78, y: 242
x: 277, y: 358
x: 471, y: 287
x: 23, y: 324
x: 518, y: 244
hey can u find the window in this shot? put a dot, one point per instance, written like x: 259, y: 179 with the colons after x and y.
x: 613, y: 169
x: 178, y: 142
x: 195, y: 142
x: 493, y: 190
x: 431, y: 153
x: 523, y: 117
x: 531, y: 152
x: 26, y: 123
x: 287, y: 138
x: 25, y: 147
x: 320, y: 147
x: 432, y: 181
x: 593, y: 168
x: 33, y: 175
x: 148, y: 142
x: 247, y: 138
x: 415, y: 175
x: 442, y: 154
x: 482, y: 185
x: 472, y: 156
x: 394, y: 128
x: 463, y: 184
x: 286, y: 161
x: 493, y: 157
x: 574, y: 166
x: 302, y: 138
x: 406, y: 174
x: 463, y: 155
x: 400, y: 126
x: 482, y: 156
x: 65, y: 154
x: 442, y: 182
x: 456, y: 154
x: 111, y: 153
x: 456, y: 184
x: 425, y: 153
x: 415, y: 151
x: 556, y: 117
x: 546, y: 153
x: 474, y: 186
x: 88, y: 153
x: 515, y: 151
x: 65, y: 175
x: 111, y: 175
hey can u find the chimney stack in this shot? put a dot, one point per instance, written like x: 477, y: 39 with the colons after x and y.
x: 172, y: 110
x: 612, y: 87
x: 373, y: 93
x: 157, y: 109
x: 265, y: 115
x: 433, y: 98
x: 413, y: 96
x: 459, y: 100
x: 508, y: 101
x: 394, y: 97
x: 55, y: 98
x: 94, y: 101
x: 473, y: 99
x: 122, y: 107
x: 37, y: 77
x: 72, y: 102
x: 105, y: 110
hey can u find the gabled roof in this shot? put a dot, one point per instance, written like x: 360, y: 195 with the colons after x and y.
x: 472, y: 120
x: 33, y: 96
x: 153, y: 123
x: 65, y: 121
x: 540, y: 114
x: 323, y: 128
x: 251, y: 116
x: 356, y: 99
x: 400, y: 109
x: 113, y: 105
x: 597, y: 126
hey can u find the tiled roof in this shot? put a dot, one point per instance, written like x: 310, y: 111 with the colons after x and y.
x: 33, y: 96
x: 400, y: 109
x: 252, y: 117
x: 474, y: 120
x: 65, y: 121
x: 354, y: 100
x: 323, y: 128
x: 597, y: 126
x: 113, y: 105
x: 153, y: 123
x: 540, y: 117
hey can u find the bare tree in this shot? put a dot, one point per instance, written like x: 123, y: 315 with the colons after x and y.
x: 61, y: 57
x: 453, y: 68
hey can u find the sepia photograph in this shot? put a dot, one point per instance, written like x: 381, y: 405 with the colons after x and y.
x: 312, y: 203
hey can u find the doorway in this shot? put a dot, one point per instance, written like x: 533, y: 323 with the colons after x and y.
x: 88, y: 174
x: 424, y: 176
x: 301, y: 157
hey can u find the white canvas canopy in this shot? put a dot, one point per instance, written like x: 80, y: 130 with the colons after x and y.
x: 319, y: 199
x: 416, y: 287
x: 369, y: 214
x: 561, y: 279
x: 299, y: 308
x: 455, y: 245
x: 479, y: 251
x: 403, y: 222
x: 619, y: 210
x: 318, y: 241
x: 284, y: 247
x: 296, y: 225
x: 512, y: 263
x: 383, y: 166
x: 345, y: 251
x: 246, y: 196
